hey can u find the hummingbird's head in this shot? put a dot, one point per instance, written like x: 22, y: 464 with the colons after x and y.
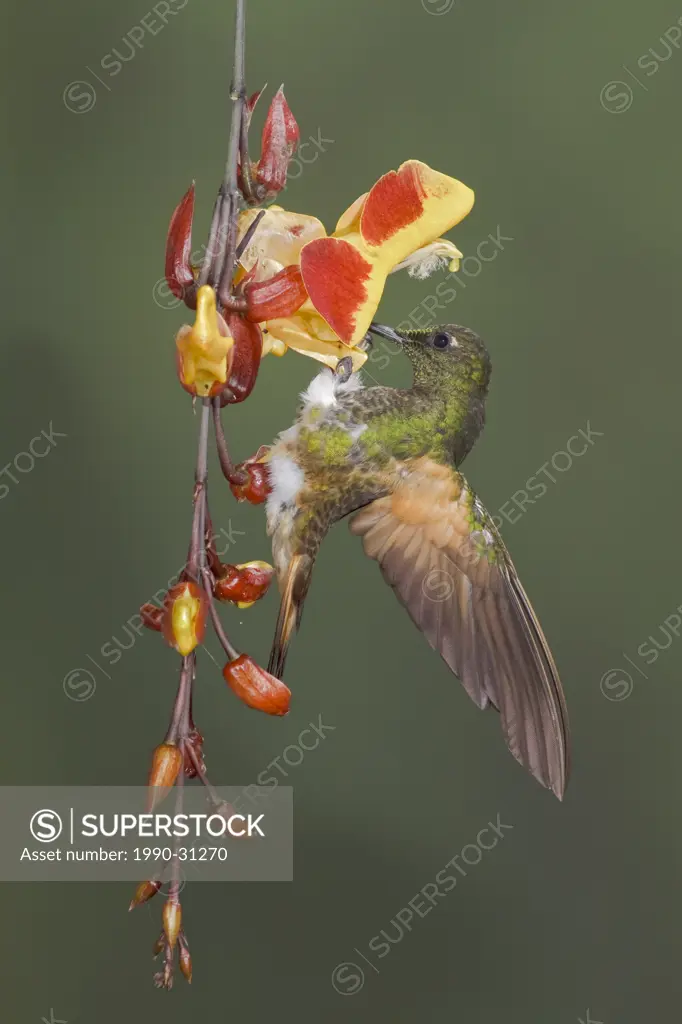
x: 443, y: 355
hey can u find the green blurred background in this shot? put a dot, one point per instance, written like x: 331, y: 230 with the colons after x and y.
x: 577, y: 910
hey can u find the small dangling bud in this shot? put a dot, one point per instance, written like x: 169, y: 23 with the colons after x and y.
x: 184, y: 616
x: 172, y: 918
x: 257, y: 487
x: 166, y: 765
x: 256, y: 687
x: 185, y: 958
x: 244, y: 584
x: 144, y: 892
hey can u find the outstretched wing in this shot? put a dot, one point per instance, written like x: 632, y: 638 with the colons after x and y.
x: 440, y: 551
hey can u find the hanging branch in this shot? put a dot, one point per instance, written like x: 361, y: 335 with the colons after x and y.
x: 218, y: 361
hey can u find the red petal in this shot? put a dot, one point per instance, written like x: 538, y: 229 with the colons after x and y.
x: 246, y: 355
x: 178, y: 247
x: 279, y: 296
x: 334, y: 273
x: 395, y: 201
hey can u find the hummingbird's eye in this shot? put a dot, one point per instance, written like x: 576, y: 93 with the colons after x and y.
x: 441, y: 340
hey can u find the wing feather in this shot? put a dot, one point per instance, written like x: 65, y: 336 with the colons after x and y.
x: 439, y: 550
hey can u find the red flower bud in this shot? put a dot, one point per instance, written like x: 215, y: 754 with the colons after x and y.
x: 246, y: 355
x: 244, y: 584
x: 184, y: 616
x: 179, y: 273
x: 152, y: 617
x: 280, y: 137
x: 256, y: 687
x: 144, y: 892
x: 278, y: 296
x: 257, y: 487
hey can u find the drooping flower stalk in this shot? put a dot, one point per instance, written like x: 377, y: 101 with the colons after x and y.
x: 218, y: 360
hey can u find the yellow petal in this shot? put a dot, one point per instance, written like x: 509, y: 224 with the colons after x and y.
x: 202, y: 348
x: 280, y: 235
x: 302, y: 335
x: 409, y: 208
x: 350, y: 220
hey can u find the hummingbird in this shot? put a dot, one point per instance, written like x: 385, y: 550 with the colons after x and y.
x: 392, y: 457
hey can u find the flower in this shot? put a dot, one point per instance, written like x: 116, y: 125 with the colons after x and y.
x: 184, y: 617
x: 203, y: 349
x: 403, y: 215
x: 318, y: 294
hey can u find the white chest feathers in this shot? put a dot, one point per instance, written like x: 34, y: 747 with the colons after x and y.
x: 324, y: 391
x: 319, y: 399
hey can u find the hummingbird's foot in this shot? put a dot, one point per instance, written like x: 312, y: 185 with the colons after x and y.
x: 344, y: 369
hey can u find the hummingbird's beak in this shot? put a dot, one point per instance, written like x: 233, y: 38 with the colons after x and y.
x: 386, y: 332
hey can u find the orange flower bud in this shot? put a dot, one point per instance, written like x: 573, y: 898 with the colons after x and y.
x: 185, y: 958
x: 144, y: 892
x: 166, y: 765
x: 278, y: 296
x: 152, y: 617
x: 257, y: 487
x: 172, y: 918
x: 184, y: 616
x: 256, y: 687
x: 244, y: 584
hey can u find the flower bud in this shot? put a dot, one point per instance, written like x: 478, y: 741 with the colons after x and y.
x: 172, y: 918
x: 159, y: 944
x: 144, y: 892
x: 152, y: 616
x: 185, y: 958
x: 166, y: 765
x: 279, y: 140
x: 184, y: 616
x: 179, y: 273
x: 257, y: 487
x: 244, y: 584
x: 256, y: 687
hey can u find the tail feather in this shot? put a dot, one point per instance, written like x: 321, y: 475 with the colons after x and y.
x: 294, y: 589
